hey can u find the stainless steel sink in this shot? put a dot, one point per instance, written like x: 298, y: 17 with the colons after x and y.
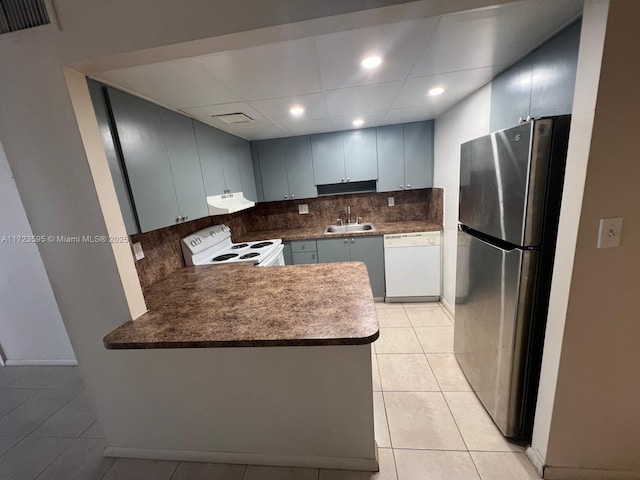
x: 349, y: 228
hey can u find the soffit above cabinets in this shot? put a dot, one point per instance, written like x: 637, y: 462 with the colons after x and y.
x: 460, y: 52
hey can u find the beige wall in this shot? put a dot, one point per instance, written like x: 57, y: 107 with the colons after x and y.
x: 590, y: 427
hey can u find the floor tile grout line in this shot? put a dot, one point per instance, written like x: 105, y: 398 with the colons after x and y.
x: 456, y: 422
x: 175, y: 470
x: 26, y: 399
x: 109, y: 469
x: 476, y: 466
x: 52, y: 461
x: 12, y: 446
x: 61, y: 407
x: 386, y: 417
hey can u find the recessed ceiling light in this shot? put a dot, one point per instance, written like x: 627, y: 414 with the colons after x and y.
x: 296, y: 111
x: 436, y: 91
x: 358, y: 122
x: 371, y: 62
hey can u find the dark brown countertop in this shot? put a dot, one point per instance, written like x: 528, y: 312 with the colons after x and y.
x: 382, y: 228
x: 247, y: 306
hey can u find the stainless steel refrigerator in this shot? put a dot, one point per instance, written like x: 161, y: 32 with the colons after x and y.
x: 510, y: 192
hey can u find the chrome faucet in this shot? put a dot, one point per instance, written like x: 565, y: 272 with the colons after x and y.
x: 348, y: 214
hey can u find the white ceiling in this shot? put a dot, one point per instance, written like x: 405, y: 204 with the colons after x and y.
x: 460, y: 52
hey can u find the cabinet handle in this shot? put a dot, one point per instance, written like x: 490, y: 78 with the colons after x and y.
x: 408, y: 186
x: 286, y: 196
x: 353, y: 240
x: 342, y: 180
x: 346, y: 241
x: 292, y: 195
x: 400, y: 186
x: 178, y: 220
x: 313, y: 256
x: 348, y: 179
x: 302, y: 247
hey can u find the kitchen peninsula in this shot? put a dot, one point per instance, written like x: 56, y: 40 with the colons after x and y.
x: 262, y: 366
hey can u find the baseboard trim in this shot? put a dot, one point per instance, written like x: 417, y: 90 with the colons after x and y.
x: 536, y: 459
x: 447, y: 307
x: 361, y: 464
x: 64, y: 363
x: 570, y: 473
x: 411, y: 299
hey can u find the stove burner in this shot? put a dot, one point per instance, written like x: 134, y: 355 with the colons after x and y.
x: 226, y: 256
x: 240, y: 245
x: 249, y: 255
x: 261, y: 244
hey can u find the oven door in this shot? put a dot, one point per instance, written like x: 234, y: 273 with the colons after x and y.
x: 274, y: 259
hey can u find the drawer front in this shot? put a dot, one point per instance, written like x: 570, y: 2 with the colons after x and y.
x: 303, y: 246
x: 304, y: 257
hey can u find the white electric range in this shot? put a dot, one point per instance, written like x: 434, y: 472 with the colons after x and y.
x: 213, y: 246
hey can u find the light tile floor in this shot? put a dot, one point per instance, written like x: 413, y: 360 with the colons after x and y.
x: 429, y: 424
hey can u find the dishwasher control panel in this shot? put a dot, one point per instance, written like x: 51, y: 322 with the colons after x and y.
x: 412, y: 239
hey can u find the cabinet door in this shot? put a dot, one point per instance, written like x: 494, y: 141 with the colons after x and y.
x: 300, y: 167
x: 360, y: 155
x: 247, y: 176
x: 370, y: 250
x: 230, y: 165
x: 418, y: 154
x: 390, y: 141
x: 327, y: 150
x: 300, y: 258
x: 210, y: 158
x: 287, y: 253
x: 185, y: 164
x: 99, y: 100
x: 146, y: 160
x: 273, y: 169
x: 333, y: 250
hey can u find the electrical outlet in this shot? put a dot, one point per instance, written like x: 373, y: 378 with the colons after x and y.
x: 137, y: 251
x: 391, y: 201
x: 610, y: 232
x: 303, y: 209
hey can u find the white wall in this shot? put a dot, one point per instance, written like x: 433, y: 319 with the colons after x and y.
x: 467, y: 120
x: 31, y: 330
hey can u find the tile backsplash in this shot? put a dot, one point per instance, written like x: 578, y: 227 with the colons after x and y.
x: 163, y: 253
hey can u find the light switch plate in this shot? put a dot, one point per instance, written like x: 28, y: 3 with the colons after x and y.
x: 303, y: 209
x: 610, y: 232
x: 137, y: 251
x: 391, y: 201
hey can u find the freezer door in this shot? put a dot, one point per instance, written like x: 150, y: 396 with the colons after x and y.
x: 492, y: 323
x: 502, y: 192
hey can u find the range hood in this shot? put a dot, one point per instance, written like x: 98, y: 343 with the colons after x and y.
x: 228, y: 203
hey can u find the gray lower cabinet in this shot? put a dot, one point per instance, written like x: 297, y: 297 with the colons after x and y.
x: 342, y: 157
x: 286, y: 252
x: 405, y: 156
x: 303, y: 251
x: 141, y: 136
x: 369, y: 250
x: 286, y: 169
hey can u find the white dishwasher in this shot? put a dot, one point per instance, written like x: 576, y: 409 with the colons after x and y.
x: 412, y: 267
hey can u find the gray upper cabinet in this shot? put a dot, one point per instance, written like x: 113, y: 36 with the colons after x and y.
x: 360, y: 155
x: 390, y: 158
x: 145, y: 155
x: 418, y: 154
x: 185, y: 164
x: 405, y: 156
x: 118, y: 175
x: 218, y: 159
x: 327, y: 150
x: 369, y: 250
x: 341, y: 157
x: 286, y: 169
x: 540, y: 85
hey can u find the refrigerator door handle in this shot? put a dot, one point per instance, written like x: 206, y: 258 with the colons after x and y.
x: 492, y: 242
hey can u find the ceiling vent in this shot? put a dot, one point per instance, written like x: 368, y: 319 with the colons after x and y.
x: 234, y: 118
x: 18, y: 15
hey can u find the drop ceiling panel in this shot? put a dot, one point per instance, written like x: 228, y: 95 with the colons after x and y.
x: 457, y: 85
x: 372, y: 119
x: 176, y: 84
x: 274, y: 70
x: 277, y: 109
x: 305, y: 127
x: 411, y: 114
x: 399, y: 44
x: 358, y: 100
x: 495, y: 36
